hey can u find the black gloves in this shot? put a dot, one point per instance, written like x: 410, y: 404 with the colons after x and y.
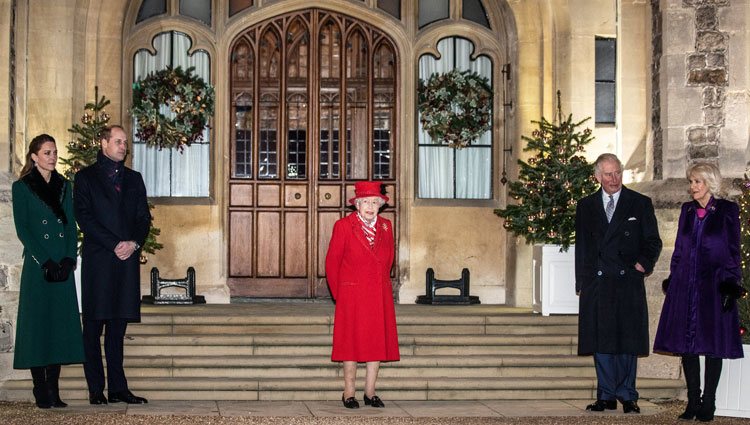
x: 68, y: 264
x: 665, y: 284
x: 730, y: 291
x: 54, y: 272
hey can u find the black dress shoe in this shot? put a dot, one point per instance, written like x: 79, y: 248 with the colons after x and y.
x: 630, y: 407
x: 602, y: 405
x: 375, y: 401
x: 126, y: 397
x: 350, y: 403
x: 97, y: 398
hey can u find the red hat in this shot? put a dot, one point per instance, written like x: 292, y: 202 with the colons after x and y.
x: 367, y: 189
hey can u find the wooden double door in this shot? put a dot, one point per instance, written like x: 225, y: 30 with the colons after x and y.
x: 314, y: 110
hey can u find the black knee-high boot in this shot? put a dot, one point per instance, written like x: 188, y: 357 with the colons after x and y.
x: 41, y: 390
x: 710, y: 382
x: 692, y: 370
x: 53, y: 379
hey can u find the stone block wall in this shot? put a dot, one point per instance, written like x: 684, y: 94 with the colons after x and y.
x: 700, y: 63
x: 10, y: 273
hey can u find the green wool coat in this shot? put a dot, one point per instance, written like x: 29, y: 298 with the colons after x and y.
x: 48, y: 329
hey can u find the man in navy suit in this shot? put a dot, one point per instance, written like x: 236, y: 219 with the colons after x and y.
x: 617, y: 245
x: 112, y: 212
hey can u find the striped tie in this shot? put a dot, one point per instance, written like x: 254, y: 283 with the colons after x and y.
x: 610, y: 209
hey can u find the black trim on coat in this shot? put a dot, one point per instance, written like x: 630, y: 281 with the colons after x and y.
x: 51, y: 193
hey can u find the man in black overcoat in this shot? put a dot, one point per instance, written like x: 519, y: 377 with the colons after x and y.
x: 112, y: 212
x: 617, y: 245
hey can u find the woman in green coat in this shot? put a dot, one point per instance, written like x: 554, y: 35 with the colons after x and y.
x: 48, y: 329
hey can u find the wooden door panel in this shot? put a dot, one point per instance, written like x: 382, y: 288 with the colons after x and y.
x: 326, y: 220
x: 241, y: 195
x: 269, y: 195
x: 269, y: 233
x: 241, y: 243
x: 269, y: 287
x: 295, y: 244
x: 329, y: 196
x: 295, y: 195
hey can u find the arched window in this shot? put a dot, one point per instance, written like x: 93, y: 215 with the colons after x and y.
x: 168, y: 172
x: 445, y: 172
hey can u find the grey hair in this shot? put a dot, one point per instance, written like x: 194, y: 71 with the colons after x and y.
x: 707, y: 171
x: 382, y: 201
x: 606, y: 157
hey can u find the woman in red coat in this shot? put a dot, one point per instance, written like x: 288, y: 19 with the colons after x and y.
x: 358, y: 266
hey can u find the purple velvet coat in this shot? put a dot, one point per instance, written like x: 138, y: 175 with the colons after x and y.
x: 706, y: 253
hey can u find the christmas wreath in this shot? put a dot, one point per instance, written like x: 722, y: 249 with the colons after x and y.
x: 456, y: 107
x: 190, y: 101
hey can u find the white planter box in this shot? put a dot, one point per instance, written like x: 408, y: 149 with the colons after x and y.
x: 733, y: 394
x: 553, y: 272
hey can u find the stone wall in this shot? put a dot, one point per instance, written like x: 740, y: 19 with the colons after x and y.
x: 10, y: 272
x: 703, y: 84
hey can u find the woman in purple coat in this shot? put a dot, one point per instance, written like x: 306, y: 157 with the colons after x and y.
x: 698, y: 317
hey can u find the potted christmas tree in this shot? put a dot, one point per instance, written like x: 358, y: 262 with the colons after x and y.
x: 548, y: 188
x: 733, y: 394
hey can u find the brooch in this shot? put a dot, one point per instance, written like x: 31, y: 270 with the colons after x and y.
x: 385, y: 227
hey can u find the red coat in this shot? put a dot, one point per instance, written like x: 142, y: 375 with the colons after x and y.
x: 359, y: 277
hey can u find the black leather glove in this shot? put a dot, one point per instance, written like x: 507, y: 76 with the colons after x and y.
x: 68, y: 264
x: 665, y: 284
x: 53, y: 272
x: 730, y: 291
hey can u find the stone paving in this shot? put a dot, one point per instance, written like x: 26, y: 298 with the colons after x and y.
x: 536, y: 412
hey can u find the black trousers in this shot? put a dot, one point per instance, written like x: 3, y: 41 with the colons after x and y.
x: 113, y: 350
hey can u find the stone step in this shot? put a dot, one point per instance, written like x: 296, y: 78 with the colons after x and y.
x: 330, y: 388
x: 322, y: 350
x: 322, y: 314
x: 410, y: 373
x: 327, y: 329
x: 304, y: 340
x: 325, y: 361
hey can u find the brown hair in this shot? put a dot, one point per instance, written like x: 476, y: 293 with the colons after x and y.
x: 34, y: 147
x: 106, y: 132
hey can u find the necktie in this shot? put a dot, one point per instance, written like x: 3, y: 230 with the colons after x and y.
x: 610, y: 209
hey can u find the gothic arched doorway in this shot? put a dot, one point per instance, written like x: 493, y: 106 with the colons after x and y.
x: 313, y: 110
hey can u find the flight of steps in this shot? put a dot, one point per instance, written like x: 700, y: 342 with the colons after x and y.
x: 281, y: 351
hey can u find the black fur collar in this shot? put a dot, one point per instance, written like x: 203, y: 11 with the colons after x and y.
x: 51, y: 193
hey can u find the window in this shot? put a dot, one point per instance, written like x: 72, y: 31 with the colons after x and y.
x: 151, y: 8
x: 355, y: 91
x: 236, y: 6
x: 392, y: 7
x: 197, y: 9
x: 445, y: 172
x: 605, y: 75
x: 432, y: 11
x: 168, y: 172
x: 474, y: 11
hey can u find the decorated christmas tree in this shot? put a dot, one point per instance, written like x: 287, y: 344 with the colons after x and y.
x: 743, y: 304
x: 551, y: 182
x: 82, y: 152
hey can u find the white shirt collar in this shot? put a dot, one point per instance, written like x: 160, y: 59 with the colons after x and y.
x: 615, y: 196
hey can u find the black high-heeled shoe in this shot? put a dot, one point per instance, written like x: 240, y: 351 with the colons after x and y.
x: 375, y: 401
x: 350, y: 403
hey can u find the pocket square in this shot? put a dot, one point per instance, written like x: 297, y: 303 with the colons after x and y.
x: 632, y: 219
